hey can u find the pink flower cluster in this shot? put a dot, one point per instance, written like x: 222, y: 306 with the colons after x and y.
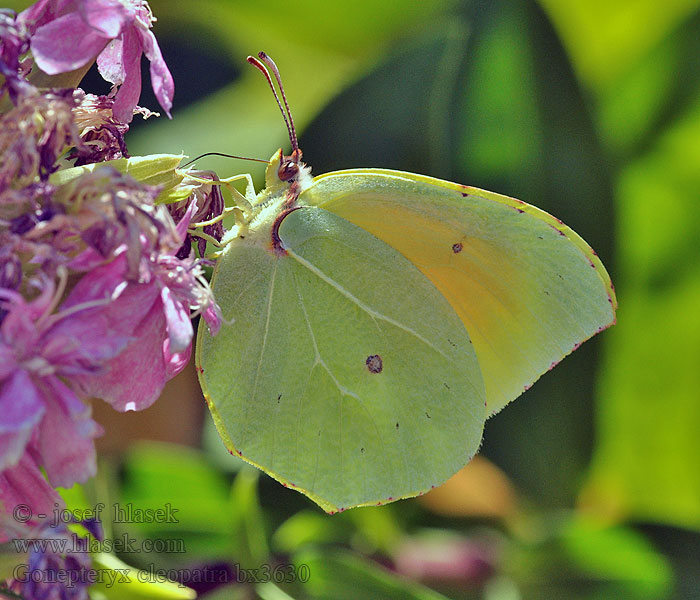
x: 98, y: 281
x: 68, y: 34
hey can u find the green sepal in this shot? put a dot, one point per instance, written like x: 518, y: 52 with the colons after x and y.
x: 154, y: 169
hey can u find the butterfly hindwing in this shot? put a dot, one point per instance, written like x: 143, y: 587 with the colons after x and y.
x: 345, y: 374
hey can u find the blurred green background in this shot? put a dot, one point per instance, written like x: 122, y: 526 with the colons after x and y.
x: 589, y: 109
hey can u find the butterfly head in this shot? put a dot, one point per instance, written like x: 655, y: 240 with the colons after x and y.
x: 288, y: 172
x: 290, y: 166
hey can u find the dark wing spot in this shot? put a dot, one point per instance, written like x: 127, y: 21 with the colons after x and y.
x: 374, y: 363
x: 457, y: 248
x: 451, y: 343
x: 397, y: 424
x: 279, y: 398
x: 362, y: 450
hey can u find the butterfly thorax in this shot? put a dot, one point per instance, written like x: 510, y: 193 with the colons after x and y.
x: 286, y: 177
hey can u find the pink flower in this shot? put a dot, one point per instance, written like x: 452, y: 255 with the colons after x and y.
x: 102, y: 136
x: 158, y: 305
x: 39, y: 352
x: 68, y: 34
x: 33, y: 134
x: 14, y: 42
x: 152, y: 289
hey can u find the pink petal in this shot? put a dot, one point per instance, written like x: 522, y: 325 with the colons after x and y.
x: 24, y: 484
x: 8, y: 363
x: 65, y: 440
x: 88, y: 259
x: 42, y: 12
x: 178, y: 322
x: 66, y: 44
x: 19, y: 323
x: 174, y: 363
x: 136, y: 377
x: 212, y: 316
x: 107, y: 16
x: 161, y: 79
x: 129, y: 91
x: 84, y: 340
x: 109, y: 62
x: 36, y: 12
x: 21, y: 408
x: 184, y: 222
x: 101, y: 283
x: 129, y: 301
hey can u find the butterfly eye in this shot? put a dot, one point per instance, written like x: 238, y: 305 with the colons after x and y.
x: 288, y: 170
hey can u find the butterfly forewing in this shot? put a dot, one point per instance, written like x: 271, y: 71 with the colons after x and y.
x: 527, y: 288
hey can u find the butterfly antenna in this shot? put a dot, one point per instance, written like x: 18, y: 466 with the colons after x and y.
x: 225, y: 156
x: 273, y: 67
x: 261, y: 67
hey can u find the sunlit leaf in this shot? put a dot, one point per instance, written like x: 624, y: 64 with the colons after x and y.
x: 338, y: 575
x: 646, y: 462
x: 604, y: 38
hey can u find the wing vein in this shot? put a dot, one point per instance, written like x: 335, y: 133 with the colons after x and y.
x: 355, y: 300
x: 342, y: 389
x: 264, y: 342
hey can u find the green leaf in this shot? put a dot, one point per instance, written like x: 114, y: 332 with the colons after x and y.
x: 162, y: 476
x: 618, y: 555
x: 119, y: 581
x: 606, y: 38
x: 249, y: 530
x: 306, y: 527
x: 646, y: 460
x: 340, y: 575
